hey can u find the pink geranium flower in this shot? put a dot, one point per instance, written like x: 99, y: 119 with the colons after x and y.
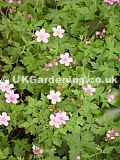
x: 112, y: 1
x: 89, y: 89
x: 111, y: 134
x: 61, y: 117
x: 54, y: 121
x: 4, y: 119
x: 58, y: 31
x: 87, y: 42
x: 11, y: 97
x: 65, y: 59
x: 29, y: 16
x: 110, y: 97
x: 10, y: 1
x: 118, y: 59
x: 58, y: 119
x: 6, y: 86
x: 18, y: 2
x: 77, y: 158
x: 53, y: 63
x: 37, y: 150
x: 101, y: 34
x: 42, y: 36
x: 54, y: 97
x: 109, y: 1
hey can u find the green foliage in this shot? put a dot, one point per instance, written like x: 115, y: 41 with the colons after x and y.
x: 90, y: 116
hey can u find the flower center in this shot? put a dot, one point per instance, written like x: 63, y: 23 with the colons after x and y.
x: 41, y: 36
x: 58, y: 32
x: 11, y: 98
x: 65, y: 59
x: 54, y: 97
x: 6, y: 87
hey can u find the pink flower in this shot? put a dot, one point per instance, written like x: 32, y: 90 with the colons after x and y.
x: 111, y: 134
x: 110, y: 97
x: 54, y: 121
x: 118, y: 59
x: 61, y: 117
x: 18, y: 2
x: 116, y: 0
x: 42, y: 36
x: 87, y: 42
x: 53, y: 63
x: 77, y: 158
x: 6, y: 86
x: 65, y: 59
x: 11, y: 97
x: 37, y: 150
x: 58, y: 119
x: 58, y: 32
x: 109, y: 1
x: 101, y: 34
x: 10, y: 1
x: 55, y: 97
x: 4, y: 119
x: 89, y: 89
x: 29, y: 16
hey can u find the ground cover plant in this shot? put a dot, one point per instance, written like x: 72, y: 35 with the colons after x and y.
x: 60, y: 85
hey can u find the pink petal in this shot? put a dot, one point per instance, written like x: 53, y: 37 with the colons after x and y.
x: 49, y: 96
x: 7, y: 95
x: 60, y: 36
x: 47, y: 35
x: 97, y: 33
x: 8, y: 118
x: 61, y: 61
x: 45, y: 40
x: 59, y: 27
x: 58, y: 93
x: 7, y: 82
x: 53, y: 101
x: 54, y: 29
x: 5, y: 123
x: 59, y: 99
x: 38, y: 39
x: 66, y: 54
x: 57, y: 125
x: 116, y: 134
x: 112, y: 138
x: 52, y: 92
x: 14, y: 101
x: 8, y: 100
x: 51, y: 123
x: 16, y: 96
x: 70, y: 59
x: 62, y: 30
x: 104, y: 30
x: 4, y: 114
x: 55, y: 34
x: 52, y: 116
x: 67, y: 63
x: 42, y: 31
